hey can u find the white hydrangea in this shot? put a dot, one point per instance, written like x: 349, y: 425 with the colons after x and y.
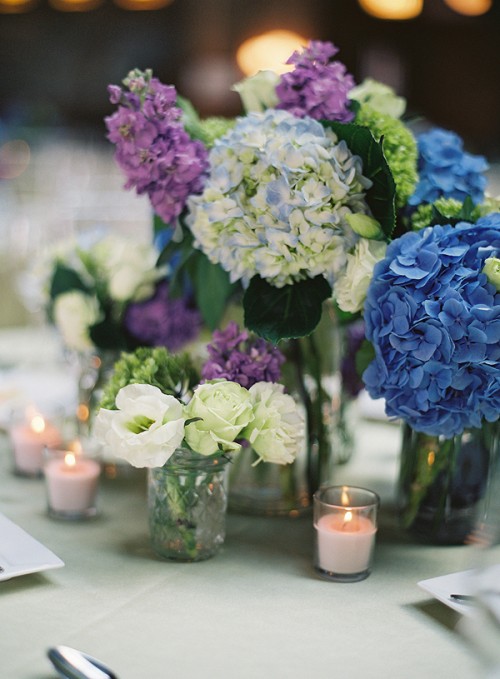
x: 352, y: 284
x: 276, y: 201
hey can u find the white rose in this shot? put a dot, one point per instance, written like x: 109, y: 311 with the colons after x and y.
x: 224, y: 408
x: 258, y: 92
x: 74, y: 313
x: 352, y: 284
x: 146, y: 429
x: 277, y: 431
x: 129, y: 268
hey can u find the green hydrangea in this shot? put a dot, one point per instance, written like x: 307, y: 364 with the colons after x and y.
x: 400, y: 149
x: 207, y: 130
x: 213, y: 128
x: 489, y: 205
x: 175, y: 375
x: 430, y: 213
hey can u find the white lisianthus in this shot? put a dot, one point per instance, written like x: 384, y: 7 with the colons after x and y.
x: 224, y: 409
x: 74, y: 312
x: 277, y: 431
x: 380, y: 97
x: 146, y: 429
x: 258, y: 92
x: 352, y: 284
x: 128, y: 267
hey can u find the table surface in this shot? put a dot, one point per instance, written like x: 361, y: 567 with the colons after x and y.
x: 257, y: 609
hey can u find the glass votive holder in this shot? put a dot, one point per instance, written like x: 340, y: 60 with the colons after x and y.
x: 72, y: 480
x: 345, y: 519
x: 29, y: 438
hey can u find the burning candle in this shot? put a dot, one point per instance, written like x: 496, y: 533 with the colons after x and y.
x: 72, y: 480
x: 29, y: 439
x: 345, y: 519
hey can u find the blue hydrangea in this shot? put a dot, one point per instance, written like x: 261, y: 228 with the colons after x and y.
x: 434, y: 321
x: 446, y: 170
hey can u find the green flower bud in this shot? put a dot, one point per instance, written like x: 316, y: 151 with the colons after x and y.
x: 492, y: 270
x: 365, y: 226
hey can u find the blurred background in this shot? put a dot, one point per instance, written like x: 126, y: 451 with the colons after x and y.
x: 57, y: 175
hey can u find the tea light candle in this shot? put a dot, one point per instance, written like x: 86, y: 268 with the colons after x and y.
x: 345, y: 522
x: 72, y: 481
x: 29, y: 439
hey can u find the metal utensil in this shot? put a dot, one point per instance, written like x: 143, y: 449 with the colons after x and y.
x: 73, y: 664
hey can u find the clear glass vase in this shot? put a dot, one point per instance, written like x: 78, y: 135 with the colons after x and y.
x: 94, y: 370
x: 187, y: 503
x: 312, y: 374
x: 444, y: 484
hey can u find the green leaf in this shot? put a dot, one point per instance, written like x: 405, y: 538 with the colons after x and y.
x: 381, y: 196
x: 65, y: 280
x: 159, y: 225
x: 108, y: 335
x: 284, y: 313
x: 364, y: 356
x: 212, y: 288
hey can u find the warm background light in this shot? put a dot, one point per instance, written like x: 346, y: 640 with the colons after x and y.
x: 75, y: 5
x: 138, y: 5
x: 16, y: 6
x: 393, y: 9
x: 268, y: 51
x: 470, y: 7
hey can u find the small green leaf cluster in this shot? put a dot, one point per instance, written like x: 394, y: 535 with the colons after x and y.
x: 175, y: 375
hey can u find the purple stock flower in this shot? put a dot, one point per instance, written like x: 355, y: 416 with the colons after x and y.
x: 163, y: 322
x: 318, y: 86
x: 237, y: 357
x: 153, y: 149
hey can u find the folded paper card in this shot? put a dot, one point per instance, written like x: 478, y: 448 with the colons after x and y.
x: 21, y: 554
x: 483, y: 584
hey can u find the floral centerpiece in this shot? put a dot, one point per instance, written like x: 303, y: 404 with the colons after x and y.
x: 108, y: 295
x: 291, y: 207
x: 156, y: 414
x: 111, y: 295
x: 276, y: 203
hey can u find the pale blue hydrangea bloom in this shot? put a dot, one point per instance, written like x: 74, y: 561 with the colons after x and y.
x: 276, y: 200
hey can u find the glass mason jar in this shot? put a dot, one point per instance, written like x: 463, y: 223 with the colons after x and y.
x: 312, y: 374
x: 444, y: 484
x: 187, y: 503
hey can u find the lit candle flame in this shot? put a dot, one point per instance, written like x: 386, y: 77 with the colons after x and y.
x: 70, y: 459
x: 37, y: 424
x: 347, y: 517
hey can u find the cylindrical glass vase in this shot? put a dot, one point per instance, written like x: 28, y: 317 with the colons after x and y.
x: 444, y: 484
x: 187, y: 503
x: 312, y: 375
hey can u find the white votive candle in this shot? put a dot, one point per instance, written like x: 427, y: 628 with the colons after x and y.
x: 29, y: 439
x: 72, y: 482
x: 345, y: 519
